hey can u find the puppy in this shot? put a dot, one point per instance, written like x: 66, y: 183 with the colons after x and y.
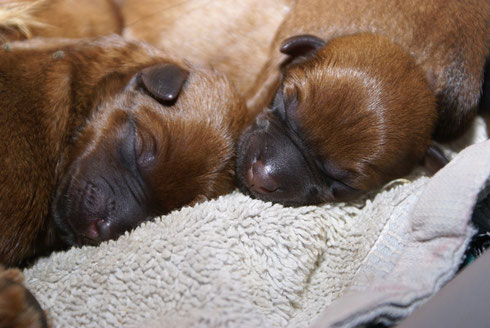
x: 359, y: 89
x: 103, y: 134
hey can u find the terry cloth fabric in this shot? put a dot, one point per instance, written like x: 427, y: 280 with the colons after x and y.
x: 239, y: 262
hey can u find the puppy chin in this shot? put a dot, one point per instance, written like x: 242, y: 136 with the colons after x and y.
x: 88, y: 210
x: 68, y: 211
x: 64, y: 232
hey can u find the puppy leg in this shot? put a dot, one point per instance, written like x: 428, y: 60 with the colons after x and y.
x: 18, y: 307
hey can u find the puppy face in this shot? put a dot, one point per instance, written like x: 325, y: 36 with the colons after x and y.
x: 348, y: 117
x: 165, y: 141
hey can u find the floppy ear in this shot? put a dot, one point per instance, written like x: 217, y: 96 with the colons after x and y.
x: 301, y: 45
x: 164, y: 81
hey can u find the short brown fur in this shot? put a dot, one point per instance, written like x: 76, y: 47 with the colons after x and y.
x: 59, y: 97
x: 18, y: 308
x: 373, y: 128
x: 448, y: 39
x: 232, y: 36
x: 360, y: 90
x: 59, y: 18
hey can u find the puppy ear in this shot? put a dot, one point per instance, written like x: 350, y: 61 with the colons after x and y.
x: 164, y: 81
x: 301, y: 45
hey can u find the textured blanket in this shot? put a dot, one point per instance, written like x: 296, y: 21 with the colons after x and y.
x: 239, y: 262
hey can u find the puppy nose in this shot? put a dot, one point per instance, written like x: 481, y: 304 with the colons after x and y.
x: 98, y: 230
x: 260, y: 179
x: 104, y: 227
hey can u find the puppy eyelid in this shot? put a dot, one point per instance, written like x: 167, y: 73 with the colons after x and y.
x: 146, y: 159
x: 341, y: 190
x: 335, y: 174
x: 144, y: 148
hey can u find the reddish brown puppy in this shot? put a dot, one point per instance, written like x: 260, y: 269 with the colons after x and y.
x: 360, y: 89
x: 115, y: 132
x: 101, y: 135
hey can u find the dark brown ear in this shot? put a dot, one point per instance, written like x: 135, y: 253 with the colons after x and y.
x: 164, y: 81
x: 434, y: 159
x: 301, y: 45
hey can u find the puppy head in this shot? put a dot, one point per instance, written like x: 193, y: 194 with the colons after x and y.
x: 166, y: 140
x: 348, y: 117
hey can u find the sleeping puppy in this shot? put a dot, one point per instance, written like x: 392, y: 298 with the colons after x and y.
x: 359, y: 90
x: 100, y: 135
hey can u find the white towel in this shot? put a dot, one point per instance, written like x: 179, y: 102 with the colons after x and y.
x: 239, y: 262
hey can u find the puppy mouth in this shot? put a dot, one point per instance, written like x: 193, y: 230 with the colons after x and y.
x: 90, y: 211
x: 245, y: 157
x: 81, y: 240
x: 258, y: 181
x: 82, y: 212
x: 97, y: 228
x: 255, y: 176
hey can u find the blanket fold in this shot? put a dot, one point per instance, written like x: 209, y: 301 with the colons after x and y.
x: 439, y: 231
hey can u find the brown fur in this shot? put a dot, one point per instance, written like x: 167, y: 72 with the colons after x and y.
x: 64, y: 101
x: 363, y: 104
x: 233, y: 36
x: 18, y: 307
x: 55, y: 98
x: 448, y: 39
x: 215, y: 34
x: 373, y: 111
x: 58, y: 18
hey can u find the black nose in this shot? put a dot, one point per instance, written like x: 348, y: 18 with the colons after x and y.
x: 97, y: 230
x: 260, y: 179
x: 94, y: 231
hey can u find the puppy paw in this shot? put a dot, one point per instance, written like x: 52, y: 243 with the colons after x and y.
x: 18, y: 307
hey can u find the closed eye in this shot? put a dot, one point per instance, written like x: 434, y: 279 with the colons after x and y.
x: 335, y: 174
x: 341, y: 191
x: 144, y: 148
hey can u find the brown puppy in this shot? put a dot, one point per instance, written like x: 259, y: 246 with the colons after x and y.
x: 361, y: 89
x: 101, y: 135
